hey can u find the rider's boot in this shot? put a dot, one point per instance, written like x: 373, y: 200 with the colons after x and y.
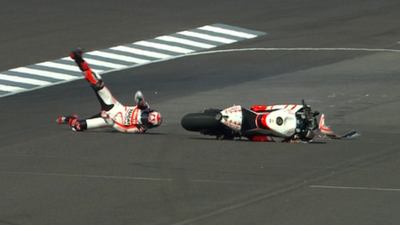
x: 94, y: 79
x: 66, y: 119
x: 78, y: 125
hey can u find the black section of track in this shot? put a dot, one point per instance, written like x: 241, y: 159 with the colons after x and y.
x: 51, y: 175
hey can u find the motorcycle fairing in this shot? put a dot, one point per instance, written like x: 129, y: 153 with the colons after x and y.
x: 273, y: 121
x: 232, y: 117
x: 249, y: 119
x: 270, y: 108
x: 281, y: 122
x: 325, y: 130
x: 277, y: 123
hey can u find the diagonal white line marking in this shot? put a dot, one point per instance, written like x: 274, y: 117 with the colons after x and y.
x: 354, y: 188
x: 186, y: 42
x: 118, y: 177
x: 59, y: 66
x: 62, y: 71
x: 23, y: 80
x: 207, y: 37
x: 68, y: 67
x: 142, y: 52
x: 11, y: 88
x: 86, y: 176
x: 229, y: 32
x: 164, y: 47
x: 103, y: 63
x: 119, y: 57
x: 169, y: 57
x: 258, y: 49
x: 43, y: 73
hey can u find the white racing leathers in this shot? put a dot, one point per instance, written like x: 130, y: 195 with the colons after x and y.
x: 130, y: 119
x: 120, y: 117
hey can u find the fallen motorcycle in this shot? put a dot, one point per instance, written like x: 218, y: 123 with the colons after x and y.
x: 295, y: 123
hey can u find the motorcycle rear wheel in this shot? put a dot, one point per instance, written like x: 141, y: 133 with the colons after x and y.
x: 204, y: 121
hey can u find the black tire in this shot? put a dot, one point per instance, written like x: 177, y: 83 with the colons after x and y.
x: 204, y: 122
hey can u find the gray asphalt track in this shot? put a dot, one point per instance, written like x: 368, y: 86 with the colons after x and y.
x: 51, y: 175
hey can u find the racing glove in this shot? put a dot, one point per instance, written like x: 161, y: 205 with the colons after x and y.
x: 139, y: 100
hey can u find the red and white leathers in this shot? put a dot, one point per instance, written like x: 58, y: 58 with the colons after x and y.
x: 120, y: 117
x: 131, y: 119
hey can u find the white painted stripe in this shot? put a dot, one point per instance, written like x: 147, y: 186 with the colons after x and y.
x: 67, y: 71
x: 258, y: 49
x: 60, y: 66
x: 11, y: 88
x: 119, y: 177
x: 229, y: 32
x: 87, y: 176
x: 43, y: 73
x: 103, y: 63
x: 355, y: 188
x: 119, y: 57
x: 207, y: 37
x: 186, y: 42
x: 73, y: 68
x: 23, y: 80
x: 164, y: 47
x: 141, y: 52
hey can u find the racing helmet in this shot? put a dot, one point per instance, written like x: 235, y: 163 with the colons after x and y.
x: 151, y: 118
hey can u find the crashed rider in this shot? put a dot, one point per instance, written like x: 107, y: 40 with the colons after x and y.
x: 131, y: 119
